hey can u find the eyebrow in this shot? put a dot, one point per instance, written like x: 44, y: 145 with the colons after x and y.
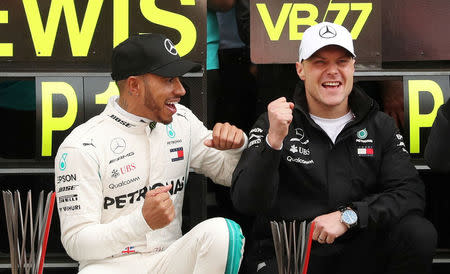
x: 345, y: 55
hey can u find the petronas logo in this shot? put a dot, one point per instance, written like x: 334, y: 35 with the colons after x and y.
x: 362, y: 134
x: 62, y: 162
x: 170, y: 131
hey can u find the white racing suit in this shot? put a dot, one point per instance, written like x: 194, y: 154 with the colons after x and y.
x: 103, y: 170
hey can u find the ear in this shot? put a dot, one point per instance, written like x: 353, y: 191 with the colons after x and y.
x: 300, y: 70
x: 134, y: 85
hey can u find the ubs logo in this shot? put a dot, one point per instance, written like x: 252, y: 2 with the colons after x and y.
x: 118, y: 145
x: 170, y: 47
x: 327, y: 32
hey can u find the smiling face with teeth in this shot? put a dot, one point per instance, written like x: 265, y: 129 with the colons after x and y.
x: 328, y: 78
x: 160, y: 96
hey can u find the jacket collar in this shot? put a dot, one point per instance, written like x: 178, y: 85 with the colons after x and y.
x: 124, y: 120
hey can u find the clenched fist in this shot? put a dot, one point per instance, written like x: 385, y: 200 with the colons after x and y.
x: 280, y: 117
x: 158, y: 209
x: 226, y: 136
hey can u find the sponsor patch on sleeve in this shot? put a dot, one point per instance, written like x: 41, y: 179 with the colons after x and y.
x: 255, y: 136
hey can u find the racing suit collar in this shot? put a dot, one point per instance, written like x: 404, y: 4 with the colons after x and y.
x: 131, y: 116
x: 125, y: 120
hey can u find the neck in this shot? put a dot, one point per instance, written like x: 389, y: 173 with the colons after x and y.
x: 123, y: 103
x: 129, y: 105
x: 328, y: 112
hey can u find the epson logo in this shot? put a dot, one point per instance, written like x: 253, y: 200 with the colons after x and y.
x: 121, y: 157
x: 66, y: 178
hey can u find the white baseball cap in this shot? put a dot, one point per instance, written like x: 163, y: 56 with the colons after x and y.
x: 322, y: 35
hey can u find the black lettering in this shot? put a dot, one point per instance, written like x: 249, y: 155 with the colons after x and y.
x: 120, y: 121
x: 142, y: 193
x: 179, y: 186
x: 68, y: 198
x: 132, y: 196
x: 67, y: 178
x: 172, y: 188
x: 70, y: 208
x: 67, y: 188
x: 120, y: 200
x: 121, y: 157
x: 108, y: 202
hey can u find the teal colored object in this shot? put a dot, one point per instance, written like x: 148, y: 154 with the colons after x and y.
x: 18, y: 95
x: 235, y: 247
x: 212, y: 41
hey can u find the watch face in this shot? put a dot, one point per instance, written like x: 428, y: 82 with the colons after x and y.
x: 349, y: 217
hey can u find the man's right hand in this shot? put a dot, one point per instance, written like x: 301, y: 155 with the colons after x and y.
x: 158, y: 209
x: 280, y: 117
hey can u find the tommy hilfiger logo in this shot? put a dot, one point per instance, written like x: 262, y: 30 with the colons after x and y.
x: 365, y: 151
x: 179, y: 154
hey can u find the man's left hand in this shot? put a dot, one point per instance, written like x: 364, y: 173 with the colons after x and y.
x: 226, y: 136
x: 328, y: 227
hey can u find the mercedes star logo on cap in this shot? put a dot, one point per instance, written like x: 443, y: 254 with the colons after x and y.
x: 170, y: 47
x: 327, y: 32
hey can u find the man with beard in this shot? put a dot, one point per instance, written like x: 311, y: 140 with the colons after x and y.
x: 121, y: 176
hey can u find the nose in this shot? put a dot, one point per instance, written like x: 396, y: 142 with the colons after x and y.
x: 332, y: 69
x: 179, y: 88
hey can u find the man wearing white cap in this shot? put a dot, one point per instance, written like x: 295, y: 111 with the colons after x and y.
x: 331, y: 157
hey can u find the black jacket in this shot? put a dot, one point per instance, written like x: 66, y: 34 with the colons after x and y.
x: 367, y: 168
x: 437, y: 150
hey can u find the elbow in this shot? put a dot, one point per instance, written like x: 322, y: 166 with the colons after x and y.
x: 250, y: 204
x: 72, y: 248
x: 81, y: 248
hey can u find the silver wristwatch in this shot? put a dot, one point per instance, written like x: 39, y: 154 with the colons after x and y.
x: 349, y: 217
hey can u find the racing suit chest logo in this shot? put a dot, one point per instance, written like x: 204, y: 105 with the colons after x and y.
x: 364, y: 145
x: 118, y: 145
x: 298, y: 148
x: 122, y: 200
